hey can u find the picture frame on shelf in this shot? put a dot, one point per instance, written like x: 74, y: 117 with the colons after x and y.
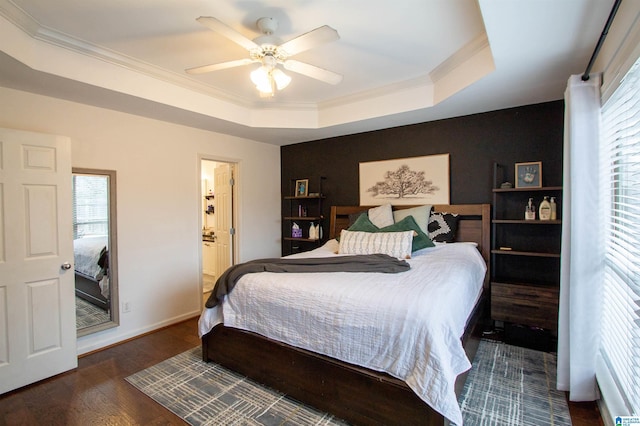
x: 302, y: 188
x: 529, y: 175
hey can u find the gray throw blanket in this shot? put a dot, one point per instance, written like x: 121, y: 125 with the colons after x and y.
x: 357, y: 263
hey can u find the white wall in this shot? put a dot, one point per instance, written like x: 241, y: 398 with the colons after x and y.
x: 159, y: 200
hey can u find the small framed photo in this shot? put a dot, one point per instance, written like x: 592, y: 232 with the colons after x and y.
x: 302, y: 187
x: 529, y: 175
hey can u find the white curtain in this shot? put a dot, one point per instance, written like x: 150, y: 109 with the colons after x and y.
x: 582, y: 258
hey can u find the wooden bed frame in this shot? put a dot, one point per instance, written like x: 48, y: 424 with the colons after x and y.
x: 88, y: 288
x: 355, y: 394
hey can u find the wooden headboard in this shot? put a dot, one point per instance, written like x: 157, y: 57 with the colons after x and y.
x: 474, y: 224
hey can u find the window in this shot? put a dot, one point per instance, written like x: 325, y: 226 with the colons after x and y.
x: 620, y: 185
x: 90, y: 206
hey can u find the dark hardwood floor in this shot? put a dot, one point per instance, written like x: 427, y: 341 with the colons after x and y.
x: 585, y: 414
x: 97, y: 394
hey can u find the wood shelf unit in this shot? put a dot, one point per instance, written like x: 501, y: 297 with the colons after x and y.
x: 309, y: 197
x: 525, y: 253
x: 301, y: 218
x: 528, y: 222
x: 544, y: 188
x: 307, y: 240
x: 312, y: 205
x: 525, y: 258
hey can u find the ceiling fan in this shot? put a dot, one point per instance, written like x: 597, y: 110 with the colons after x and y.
x: 270, y: 52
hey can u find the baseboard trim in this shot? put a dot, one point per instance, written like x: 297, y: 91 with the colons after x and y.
x: 100, y: 345
x: 607, y: 419
x: 611, y: 403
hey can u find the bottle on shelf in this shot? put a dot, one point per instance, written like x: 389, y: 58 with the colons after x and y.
x: 303, y: 214
x: 530, y: 211
x: 545, y: 209
x: 296, y: 231
x: 552, y: 203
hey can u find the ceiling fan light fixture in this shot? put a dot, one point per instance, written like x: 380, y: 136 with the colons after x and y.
x: 267, y: 91
x: 282, y: 80
x: 268, y: 79
x: 260, y: 76
x: 263, y: 81
x: 271, y: 52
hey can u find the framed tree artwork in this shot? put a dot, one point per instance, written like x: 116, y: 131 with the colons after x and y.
x: 415, y: 180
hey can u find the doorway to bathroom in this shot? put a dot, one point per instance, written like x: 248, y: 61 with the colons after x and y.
x: 218, y: 213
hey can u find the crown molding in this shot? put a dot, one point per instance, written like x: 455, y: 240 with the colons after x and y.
x: 378, y: 92
x: 377, y: 100
x: 460, y: 57
x: 37, y: 31
x: 19, y: 17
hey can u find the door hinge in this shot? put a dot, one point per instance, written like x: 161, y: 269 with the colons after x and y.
x: 232, y: 231
x: 232, y: 182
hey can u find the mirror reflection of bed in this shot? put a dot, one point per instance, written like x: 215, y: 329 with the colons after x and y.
x: 91, y: 260
x: 93, y: 245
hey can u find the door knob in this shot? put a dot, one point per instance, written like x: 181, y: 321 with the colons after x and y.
x: 66, y: 265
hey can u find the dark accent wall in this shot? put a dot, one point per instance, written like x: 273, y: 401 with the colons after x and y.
x: 474, y: 142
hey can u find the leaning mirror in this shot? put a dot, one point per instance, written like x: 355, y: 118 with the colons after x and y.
x: 95, y: 250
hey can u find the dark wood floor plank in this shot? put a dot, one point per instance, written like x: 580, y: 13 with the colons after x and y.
x: 585, y: 414
x: 97, y: 394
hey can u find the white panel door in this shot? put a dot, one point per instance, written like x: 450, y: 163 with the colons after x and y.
x: 224, y: 209
x: 37, y: 305
x: 209, y: 258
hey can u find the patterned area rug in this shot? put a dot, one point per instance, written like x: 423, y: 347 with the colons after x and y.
x: 88, y: 315
x: 208, y: 394
x: 508, y: 385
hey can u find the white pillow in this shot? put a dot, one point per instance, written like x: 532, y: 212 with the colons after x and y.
x: 420, y: 214
x: 381, y: 216
x: 395, y: 244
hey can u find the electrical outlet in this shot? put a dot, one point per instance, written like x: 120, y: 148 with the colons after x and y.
x: 126, y: 307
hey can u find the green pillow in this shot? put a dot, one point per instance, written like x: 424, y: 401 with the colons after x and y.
x: 363, y: 224
x: 420, y: 241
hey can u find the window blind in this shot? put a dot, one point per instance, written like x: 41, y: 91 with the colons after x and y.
x: 620, y: 191
x: 90, y: 206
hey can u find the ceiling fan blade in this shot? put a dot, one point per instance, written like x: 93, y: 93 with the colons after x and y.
x: 313, y: 71
x: 225, y: 30
x: 221, y: 66
x: 306, y: 41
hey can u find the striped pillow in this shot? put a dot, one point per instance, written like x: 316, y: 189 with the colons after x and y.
x: 395, y: 244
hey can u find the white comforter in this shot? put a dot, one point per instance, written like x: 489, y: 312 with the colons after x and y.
x: 408, y: 324
x: 86, y: 253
